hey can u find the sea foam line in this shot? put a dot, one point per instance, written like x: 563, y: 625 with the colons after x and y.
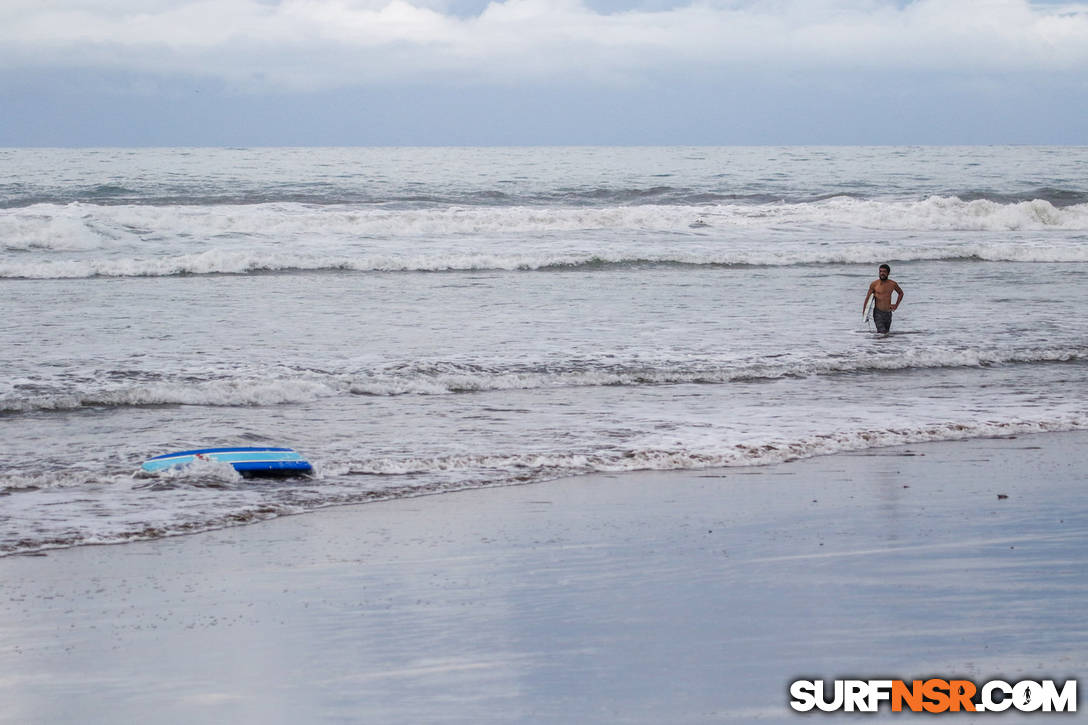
x: 216, y: 262
x: 526, y: 466
x: 279, y: 387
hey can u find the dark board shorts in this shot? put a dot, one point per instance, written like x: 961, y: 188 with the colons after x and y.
x: 883, y: 320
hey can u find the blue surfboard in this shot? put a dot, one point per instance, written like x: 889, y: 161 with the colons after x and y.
x: 247, y: 461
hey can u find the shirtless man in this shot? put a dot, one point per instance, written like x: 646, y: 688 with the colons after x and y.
x: 882, y: 290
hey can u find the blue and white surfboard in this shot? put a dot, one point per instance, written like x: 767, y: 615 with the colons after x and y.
x: 252, y: 461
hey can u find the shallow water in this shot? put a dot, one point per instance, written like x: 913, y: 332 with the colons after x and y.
x: 420, y: 320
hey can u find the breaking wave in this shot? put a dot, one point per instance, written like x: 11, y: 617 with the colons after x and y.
x: 50, y: 241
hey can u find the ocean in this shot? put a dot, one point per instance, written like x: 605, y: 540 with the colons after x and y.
x: 422, y: 320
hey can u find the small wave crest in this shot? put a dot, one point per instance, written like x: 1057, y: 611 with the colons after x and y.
x: 444, y: 378
x: 242, y: 391
x: 284, y: 386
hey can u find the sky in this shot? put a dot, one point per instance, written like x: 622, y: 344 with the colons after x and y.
x: 542, y: 72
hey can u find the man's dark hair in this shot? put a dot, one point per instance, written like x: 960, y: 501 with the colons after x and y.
x: 884, y: 266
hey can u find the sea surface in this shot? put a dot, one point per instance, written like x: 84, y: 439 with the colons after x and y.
x: 421, y: 320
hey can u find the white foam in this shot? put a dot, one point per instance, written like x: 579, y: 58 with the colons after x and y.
x: 50, y: 224
x: 939, y: 213
x: 201, y: 469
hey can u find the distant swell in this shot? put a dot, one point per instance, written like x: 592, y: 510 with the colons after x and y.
x: 331, y: 195
x: 284, y: 387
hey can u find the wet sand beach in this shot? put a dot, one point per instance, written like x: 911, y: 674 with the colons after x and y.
x: 680, y: 597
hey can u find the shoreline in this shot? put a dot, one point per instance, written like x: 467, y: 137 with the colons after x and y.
x: 775, y: 454
x: 689, y: 596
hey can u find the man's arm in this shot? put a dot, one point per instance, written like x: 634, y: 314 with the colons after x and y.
x: 895, y: 305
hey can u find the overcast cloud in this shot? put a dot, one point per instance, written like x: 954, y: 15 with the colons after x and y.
x: 764, y: 54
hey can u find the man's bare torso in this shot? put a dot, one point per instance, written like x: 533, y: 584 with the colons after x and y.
x: 882, y: 289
